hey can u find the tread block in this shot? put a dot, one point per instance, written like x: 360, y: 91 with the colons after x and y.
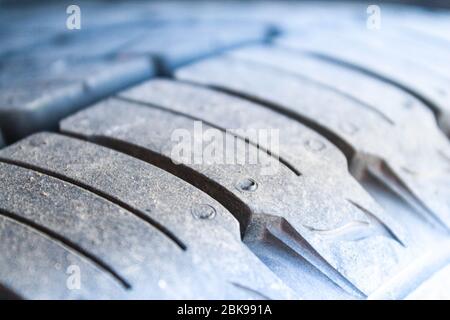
x: 115, y: 237
x: 227, y: 112
x: 378, y: 146
x: 170, y: 203
x: 310, y: 206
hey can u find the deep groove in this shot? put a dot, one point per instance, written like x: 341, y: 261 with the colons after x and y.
x: 73, y: 246
x: 8, y: 294
x: 219, y: 193
x: 101, y: 194
x: 2, y: 142
x: 268, y: 152
x: 370, y: 108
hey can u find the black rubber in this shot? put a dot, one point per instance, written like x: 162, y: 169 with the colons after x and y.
x: 92, y: 205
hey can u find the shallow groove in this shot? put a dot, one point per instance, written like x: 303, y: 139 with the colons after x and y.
x: 252, y: 291
x: 268, y: 152
x: 73, y: 246
x: 375, y: 218
x: 219, y: 193
x: 370, y: 108
x: 388, y: 178
x: 289, y: 237
x: 339, y: 231
x: 344, y: 146
x: 430, y: 105
x: 270, y: 238
x: 101, y: 194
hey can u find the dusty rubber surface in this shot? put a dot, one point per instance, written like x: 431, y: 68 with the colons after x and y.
x: 357, y: 208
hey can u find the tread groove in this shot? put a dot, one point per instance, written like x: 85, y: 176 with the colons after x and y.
x: 345, y: 147
x: 289, y: 237
x: 430, y: 105
x: 194, y: 178
x: 271, y: 154
x: 357, y: 208
x: 58, y: 238
x: 101, y: 194
x: 8, y: 294
x: 245, y: 288
x: 390, y: 180
x: 349, y: 152
x: 373, y: 110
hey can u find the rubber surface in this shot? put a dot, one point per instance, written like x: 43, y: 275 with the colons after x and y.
x: 352, y: 203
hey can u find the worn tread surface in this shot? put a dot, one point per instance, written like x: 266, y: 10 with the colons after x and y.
x: 374, y: 139
x: 352, y: 203
x: 143, y: 191
x: 333, y: 216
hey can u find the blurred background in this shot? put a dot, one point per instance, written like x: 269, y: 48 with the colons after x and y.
x: 56, y: 59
